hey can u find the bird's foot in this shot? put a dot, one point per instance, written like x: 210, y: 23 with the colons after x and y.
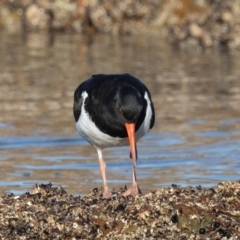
x: 106, y: 193
x: 133, y: 190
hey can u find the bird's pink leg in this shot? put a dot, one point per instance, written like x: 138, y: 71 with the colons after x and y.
x: 134, y: 189
x: 102, y: 164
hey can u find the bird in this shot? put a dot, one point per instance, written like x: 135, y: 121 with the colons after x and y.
x: 113, y: 110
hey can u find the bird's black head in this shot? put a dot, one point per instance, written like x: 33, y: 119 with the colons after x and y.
x: 129, y: 104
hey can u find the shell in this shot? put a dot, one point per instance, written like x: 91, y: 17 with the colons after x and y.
x: 168, y: 213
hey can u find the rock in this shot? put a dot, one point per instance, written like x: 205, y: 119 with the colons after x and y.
x: 226, y: 16
x: 195, y: 30
x: 36, y: 18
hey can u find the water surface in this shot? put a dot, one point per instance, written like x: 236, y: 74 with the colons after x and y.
x: 195, y: 140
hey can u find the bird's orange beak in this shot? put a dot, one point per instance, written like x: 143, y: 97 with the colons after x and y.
x: 131, y: 136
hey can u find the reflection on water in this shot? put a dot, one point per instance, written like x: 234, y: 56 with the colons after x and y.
x: 48, y: 141
x: 195, y: 139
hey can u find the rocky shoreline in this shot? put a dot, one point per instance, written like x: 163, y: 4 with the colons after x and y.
x: 204, y: 23
x: 168, y: 213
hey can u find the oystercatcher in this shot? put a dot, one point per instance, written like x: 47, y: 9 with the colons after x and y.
x: 113, y: 110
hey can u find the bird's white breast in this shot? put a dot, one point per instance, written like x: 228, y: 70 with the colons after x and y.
x: 88, y: 130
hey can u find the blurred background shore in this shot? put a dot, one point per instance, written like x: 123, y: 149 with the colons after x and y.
x: 204, y: 23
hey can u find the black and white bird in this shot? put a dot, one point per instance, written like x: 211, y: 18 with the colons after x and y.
x: 113, y: 110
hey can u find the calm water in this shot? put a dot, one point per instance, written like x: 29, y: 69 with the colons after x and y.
x: 195, y: 140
